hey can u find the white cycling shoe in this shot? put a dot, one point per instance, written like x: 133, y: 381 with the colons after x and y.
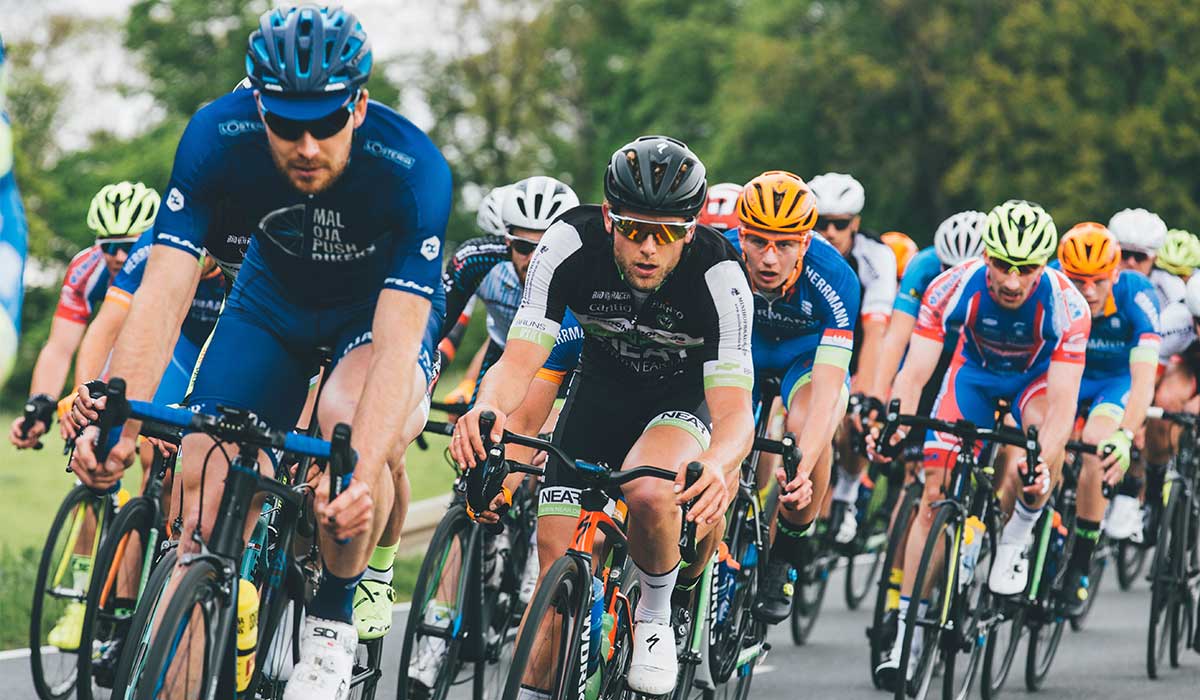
x: 653, y: 667
x: 1010, y: 569
x: 848, y: 528
x: 326, y: 661
x: 1124, y: 521
x: 529, y: 577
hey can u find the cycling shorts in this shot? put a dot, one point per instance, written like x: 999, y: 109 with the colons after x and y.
x: 970, y: 392
x: 264, y: 350
x: 1108, y: 396
x: 600, y: 423
x: 172, y: 388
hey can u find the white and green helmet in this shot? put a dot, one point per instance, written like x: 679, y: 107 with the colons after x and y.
x: 1021, y: 233
x: 122, y: 211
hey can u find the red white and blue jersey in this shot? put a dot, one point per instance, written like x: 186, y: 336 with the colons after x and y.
x: 1052, y: 325
x: 84, y: 286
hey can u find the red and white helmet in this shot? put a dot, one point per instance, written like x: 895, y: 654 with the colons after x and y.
x: 720, y: 208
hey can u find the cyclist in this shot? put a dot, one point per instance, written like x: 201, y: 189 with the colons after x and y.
x: 665, y: 308
x: 1141, y: 234
x: 118, y: 214
x: 840, y: 200
x: 720, y: 209
x: 1118, y: 379
x: 1023, y: 336
x: 805, y: 307
x: 903, y: 247
x: 1179, y: 254
x: 348, y: 202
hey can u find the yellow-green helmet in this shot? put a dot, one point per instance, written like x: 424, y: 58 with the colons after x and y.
x: 1020, y: 233
x: 1179, y: 253
x: 122, y: 211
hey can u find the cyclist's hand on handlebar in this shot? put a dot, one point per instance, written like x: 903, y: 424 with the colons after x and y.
x: 874, y: 448
x: 498, y: 505
x: 166, y: 449
x: 36, y: 430
x: 100, y: 476
x: 85, y: 409
x: 797, y: 493
x: 711, y: 496
x: 349, y: 515
x: 1041, y: 486
x: 466, y: 446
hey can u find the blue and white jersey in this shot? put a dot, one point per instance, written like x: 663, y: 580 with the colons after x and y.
x: 1127, y: 330
x: 381, y: 224
x: 919, y: 274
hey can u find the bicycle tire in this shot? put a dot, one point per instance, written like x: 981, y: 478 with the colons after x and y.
x: 134, y: 655
x: 993, y: 674
x: 1095, y: 578
x: 856, y: 592
x: 1160, y: 592
x: 728, y: 632
x: 1130, y: 560
x: 978, y: 602
x: 923, y: 677
x: 136, y: 516
x: 881, y: 635
x: 809, y: 596
x: 456, y: 527
x: 500, y: 634
x: 565, y: 589
x: 1044, y: 640
x: 201, y: 584
x: 59, y: 689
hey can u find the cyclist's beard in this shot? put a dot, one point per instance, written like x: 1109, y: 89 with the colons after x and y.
x: 311, y: 175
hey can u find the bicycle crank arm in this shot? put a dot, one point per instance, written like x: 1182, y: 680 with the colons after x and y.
x: 753, y: 653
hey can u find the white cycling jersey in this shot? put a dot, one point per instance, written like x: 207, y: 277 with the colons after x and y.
x: 875, y: 264
x: 1170, y: 288
x: 1178, y: 332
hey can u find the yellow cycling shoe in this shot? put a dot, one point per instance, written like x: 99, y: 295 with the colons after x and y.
x: 373, y: 601
x: 69, y: 628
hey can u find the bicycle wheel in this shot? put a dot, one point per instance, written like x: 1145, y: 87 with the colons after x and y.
x: 1044, y: 638
x: 499, y: 626
x: 941, y: 535
x: 616, y: 669
x: 1130, y: 560
x: 183, y: 661
x: 863, y: 569
x: 433, y: 635
x: 1161, y: 589
x: 882, y: 632
x: 137, y: 639
x: 1001, y: 649
x: 972, y: 609
x: 811, y: 582
x: 733, y: 595
x: 1095, y: 578
x: 555, y: 623
x: 60, y: 592
x: 108, y: 615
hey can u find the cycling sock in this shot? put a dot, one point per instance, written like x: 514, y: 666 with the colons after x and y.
x: 1131, y: 486
x: 655, y: 603
x: 334, y: 599
x: 1020, y: 525
x: 1088, y: 532
x: 902, y: 625
x: 687, y: 583
x: 1155, y: 473
x: 790, y: 541
x: 527, y: 693
x: 895, y: 578
x: 379, y: 568
x: 846, y: 488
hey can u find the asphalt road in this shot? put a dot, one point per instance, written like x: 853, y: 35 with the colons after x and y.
x: 1106, y: 660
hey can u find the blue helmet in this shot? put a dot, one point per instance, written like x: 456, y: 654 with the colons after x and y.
x: 307, y: 61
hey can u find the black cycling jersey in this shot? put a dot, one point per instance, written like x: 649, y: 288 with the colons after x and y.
x: 693, y: 331
x: 482, y: 266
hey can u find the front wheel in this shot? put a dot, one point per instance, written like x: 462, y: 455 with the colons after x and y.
x: 556, y: 620
x: 933, y: 579
x: 137, y: 640
x: 184, y: 660
x: 1161, y: 593
x: 1001, y: 649
x: 810, y: 593
x: 1131, y: 559
x: 882, y: 633
x: 1044, y: 639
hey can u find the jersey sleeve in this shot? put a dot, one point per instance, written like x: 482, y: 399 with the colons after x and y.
x: 565, y: 354
x: 727, y: 359
x: 1072, y: 320
x: 73, y: 302
x: 1177, y: 330
x: 838, y: 299
x: 880, y: 293
x: 186, y: 209
x: 1144, y: 317
x: 416, y: 266
x: 543, y: 302
x: 915, y: 281
x: 129, y: 278
x: 939, y: 300
x: 464, y: 273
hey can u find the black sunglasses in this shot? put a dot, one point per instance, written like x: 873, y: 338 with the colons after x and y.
x: 1136, y: 256
x: 320, y: 128
x: 521, y: 246
x: 115, y: 247
x: 824, y: 222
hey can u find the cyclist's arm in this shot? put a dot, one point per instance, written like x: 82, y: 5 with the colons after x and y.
x: 827, y: 382
x: 873, y: 328
x: 729, y: 367
x: 452, y: 338
x: 506, y: 384
x: 54, y: 360
x: 895, y: 340
x: 1143, y: 357
x: 100, y: 336
x: 923, y: 355
x: 528, y: 419
x: 732, y: 428
x: 1062, y: 394
x: 466, y: 387
x: 1141, y: 393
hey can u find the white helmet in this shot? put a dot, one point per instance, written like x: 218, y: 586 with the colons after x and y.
x: 533, y: 203
x: 489, y: 219
x: 1192, y: 296
x: 1138, y: 230
x: 960, y: 237
x: 838, y: 194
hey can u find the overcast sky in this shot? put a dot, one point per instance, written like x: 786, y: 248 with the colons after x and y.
x: 399, y: 29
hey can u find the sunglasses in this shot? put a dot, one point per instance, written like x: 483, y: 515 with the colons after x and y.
x: 320, y: 128
x: 1007, y: 266
x: 116, y: 247
x: 824, y: 222
x: 1134, y: 255
x: 638, y: 230
x: 1089, y: 281
x: 780, y: 243
x: 521, y: 246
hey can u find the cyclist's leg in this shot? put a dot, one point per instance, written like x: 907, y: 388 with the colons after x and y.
x: 1177, y: 387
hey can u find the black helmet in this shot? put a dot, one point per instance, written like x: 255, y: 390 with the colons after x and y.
x: 656, y: 175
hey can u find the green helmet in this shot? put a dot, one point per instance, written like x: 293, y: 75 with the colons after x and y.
x: 1021, y: 233
x: 1180, y: 253
x: 122, y: 211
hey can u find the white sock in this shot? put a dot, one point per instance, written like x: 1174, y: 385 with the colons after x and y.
x: 655, y: 603
x: 901, y: 626
x: 846, y: 488
x: 918, y: 641
x: 1020, y: 525
x: 524, y: 693
x: 380, y: 575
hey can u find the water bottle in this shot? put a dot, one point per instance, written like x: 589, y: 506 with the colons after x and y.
x: 1058, y: 540
x: 595, y: 624
x: 247, y: 632
x: 973, y: 533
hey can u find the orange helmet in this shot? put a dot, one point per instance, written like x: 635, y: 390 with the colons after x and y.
x: 902, y: 247
x: 1089, y: 250
x: 778, y: 202
x: 720, y: 209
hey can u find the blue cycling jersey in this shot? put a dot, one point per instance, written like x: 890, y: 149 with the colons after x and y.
x: 1126, y: 330
x: 919, y: 274
x: 206, y: 304
x: 815, y: 317
x: 381, y: 224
